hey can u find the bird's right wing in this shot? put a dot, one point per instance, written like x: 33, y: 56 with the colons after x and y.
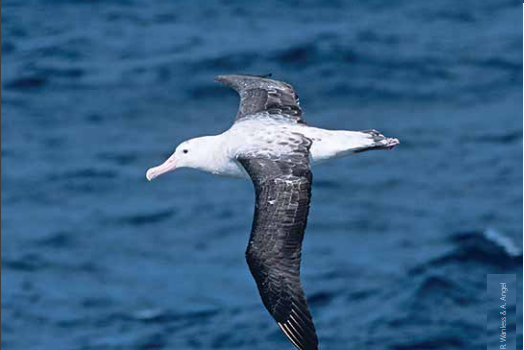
x: 263, y: 96
x: 283, y: 190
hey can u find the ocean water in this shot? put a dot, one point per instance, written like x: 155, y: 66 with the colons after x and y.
x: 398, y: 244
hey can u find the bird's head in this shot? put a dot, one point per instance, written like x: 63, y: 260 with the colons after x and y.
x: 196, y: 153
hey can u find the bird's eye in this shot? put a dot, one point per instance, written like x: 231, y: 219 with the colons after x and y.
x: 185, y: 151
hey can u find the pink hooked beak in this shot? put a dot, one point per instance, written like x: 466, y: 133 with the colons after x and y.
x: 167, y: 166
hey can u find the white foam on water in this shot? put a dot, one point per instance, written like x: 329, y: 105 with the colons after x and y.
x: 503, y: 241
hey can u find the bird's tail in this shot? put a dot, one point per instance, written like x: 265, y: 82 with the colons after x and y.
x: 377, y: 141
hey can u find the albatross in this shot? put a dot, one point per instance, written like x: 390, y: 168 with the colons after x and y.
x: 271, y: 144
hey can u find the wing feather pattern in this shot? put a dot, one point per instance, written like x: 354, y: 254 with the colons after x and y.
x: 260, y: 94
x: 283, y: 191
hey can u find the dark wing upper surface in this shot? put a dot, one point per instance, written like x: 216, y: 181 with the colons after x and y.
x: 258, y: 94
x: 283, y: 190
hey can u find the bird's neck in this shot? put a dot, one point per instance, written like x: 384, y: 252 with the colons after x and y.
x: 217, y: 158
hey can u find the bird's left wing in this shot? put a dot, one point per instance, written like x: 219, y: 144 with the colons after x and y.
x: 283, y: 190
x: 262, y: 96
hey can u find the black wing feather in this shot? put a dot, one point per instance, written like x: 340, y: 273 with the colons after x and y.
x: 283, y: 192
x: 261, y: 95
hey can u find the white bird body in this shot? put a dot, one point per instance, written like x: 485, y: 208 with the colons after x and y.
x: 274, y: 137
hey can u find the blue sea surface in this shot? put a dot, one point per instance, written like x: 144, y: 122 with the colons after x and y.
x: 399, y: 243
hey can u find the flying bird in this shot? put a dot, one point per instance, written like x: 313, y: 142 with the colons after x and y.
x: 271, y: 144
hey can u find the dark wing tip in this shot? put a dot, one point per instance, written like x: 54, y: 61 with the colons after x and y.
x: 299, y: 327
x: 222, y: 77
x: 299, y: 333
x: 234, y: 79
x: 259, y: 93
